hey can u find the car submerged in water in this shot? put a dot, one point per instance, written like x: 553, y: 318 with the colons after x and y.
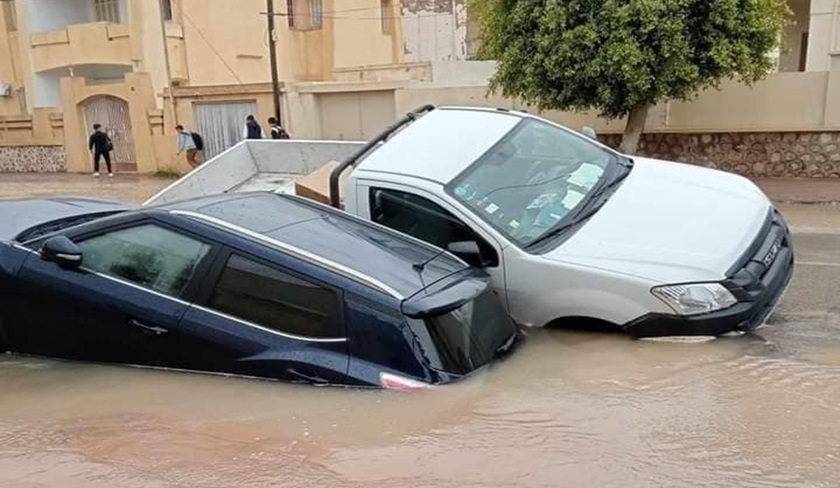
x: 250, y: 284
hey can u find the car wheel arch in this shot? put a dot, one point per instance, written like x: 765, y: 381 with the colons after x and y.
x: 583, y: 323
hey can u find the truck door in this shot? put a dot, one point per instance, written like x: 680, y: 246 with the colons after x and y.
x: 422, y: 215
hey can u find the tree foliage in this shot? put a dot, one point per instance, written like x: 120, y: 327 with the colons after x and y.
x: 617, y: 55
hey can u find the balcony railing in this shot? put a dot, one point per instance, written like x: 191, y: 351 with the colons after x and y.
x: 79, y: 44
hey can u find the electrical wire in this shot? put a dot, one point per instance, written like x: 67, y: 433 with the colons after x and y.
x: 183, y: 12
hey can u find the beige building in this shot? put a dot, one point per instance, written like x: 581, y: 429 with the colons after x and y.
x: 348, y: 68
x: 70, y: 63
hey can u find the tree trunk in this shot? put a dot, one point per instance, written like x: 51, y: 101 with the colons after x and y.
x: 633, y: 130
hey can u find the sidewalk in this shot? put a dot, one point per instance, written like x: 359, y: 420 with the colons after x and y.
x: 137, y: 188
x: 805, y: 191
x: 132, y: 188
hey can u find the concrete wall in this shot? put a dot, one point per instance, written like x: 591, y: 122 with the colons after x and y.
x: 236, y: 51
x: 784, y: 101
x: 359, y: 37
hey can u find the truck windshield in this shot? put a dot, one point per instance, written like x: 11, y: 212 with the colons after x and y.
x: 467, y: 338
x: 532, y: 179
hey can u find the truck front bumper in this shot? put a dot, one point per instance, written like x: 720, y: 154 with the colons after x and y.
x: 757, y: 286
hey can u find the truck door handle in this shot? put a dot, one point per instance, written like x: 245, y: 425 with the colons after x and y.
x: 158, y: 331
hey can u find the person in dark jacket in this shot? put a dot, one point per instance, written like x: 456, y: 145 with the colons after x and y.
x: 277, y: 131
x: 252, y: 129
x: 101, y: 146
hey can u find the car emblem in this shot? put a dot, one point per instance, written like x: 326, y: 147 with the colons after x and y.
x: 771, y: 255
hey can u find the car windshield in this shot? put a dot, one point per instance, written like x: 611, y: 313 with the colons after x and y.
x: 467, y: 338
x: 529, y: 182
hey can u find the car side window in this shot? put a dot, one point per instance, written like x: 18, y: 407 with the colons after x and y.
x: 422, y: 219
x: 147, y: 255
x: 268, y: 297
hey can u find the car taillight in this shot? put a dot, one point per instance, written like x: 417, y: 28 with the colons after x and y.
x: 394, y: 382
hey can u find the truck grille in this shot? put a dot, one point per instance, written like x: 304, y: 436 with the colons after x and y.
x: 770, y: 254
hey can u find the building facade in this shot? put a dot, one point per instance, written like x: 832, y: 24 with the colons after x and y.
x: 111, y: 61
x: 348, y: 68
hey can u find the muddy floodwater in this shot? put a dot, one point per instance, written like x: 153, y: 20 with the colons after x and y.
x: 569, y: 409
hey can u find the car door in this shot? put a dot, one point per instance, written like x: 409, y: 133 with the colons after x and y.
x: 119, y: 306
x: 272, y: 319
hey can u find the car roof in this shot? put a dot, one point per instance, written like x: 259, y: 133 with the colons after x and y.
x: 334, y: 238
x: 441, y: 144
x: 21, y: 215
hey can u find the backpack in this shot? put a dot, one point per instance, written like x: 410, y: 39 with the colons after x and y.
x: 109, y: 144
x: 281, y: 133
x: 197, y: 140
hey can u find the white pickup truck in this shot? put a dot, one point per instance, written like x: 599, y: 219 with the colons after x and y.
x: 572, y: 232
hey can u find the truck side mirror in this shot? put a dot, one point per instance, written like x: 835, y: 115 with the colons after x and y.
x: 468, y: 251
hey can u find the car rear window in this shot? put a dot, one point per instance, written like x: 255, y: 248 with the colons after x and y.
x: 467, y: 338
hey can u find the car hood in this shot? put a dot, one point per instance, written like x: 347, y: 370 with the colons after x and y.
x: 17, y: 216
x: 670, y: 223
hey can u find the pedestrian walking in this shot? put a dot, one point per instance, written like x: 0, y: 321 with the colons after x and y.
x: 192, y: 143
x: 101, y: 146
x: 277, y: 131
x: 252, y: 130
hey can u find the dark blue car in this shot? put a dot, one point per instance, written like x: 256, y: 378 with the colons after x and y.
x: 253, y: 284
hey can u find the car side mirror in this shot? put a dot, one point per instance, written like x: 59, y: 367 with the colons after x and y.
x: 468, y: 251
x: 63, y: 252
x: 589, y: 132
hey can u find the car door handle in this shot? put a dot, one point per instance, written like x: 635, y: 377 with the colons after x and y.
x: 158, y: 331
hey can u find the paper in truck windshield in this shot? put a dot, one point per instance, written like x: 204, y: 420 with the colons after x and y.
x: 586, y: 176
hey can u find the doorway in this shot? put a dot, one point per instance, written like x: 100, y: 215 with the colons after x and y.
x: 114, y: 116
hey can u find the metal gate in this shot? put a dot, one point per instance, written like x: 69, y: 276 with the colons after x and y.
x: 112, y: 113
x: 221, y: 124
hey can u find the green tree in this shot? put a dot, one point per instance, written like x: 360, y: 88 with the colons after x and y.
x: 621, y: 57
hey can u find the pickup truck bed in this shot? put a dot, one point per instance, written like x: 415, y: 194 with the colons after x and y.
x: 255, y: 165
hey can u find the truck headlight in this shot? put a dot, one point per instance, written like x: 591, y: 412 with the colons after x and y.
x: 697, y: 298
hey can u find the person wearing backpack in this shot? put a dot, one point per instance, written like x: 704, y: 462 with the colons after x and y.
x: 277, y: 131
x: 101, y: 146
x: 192, y: 143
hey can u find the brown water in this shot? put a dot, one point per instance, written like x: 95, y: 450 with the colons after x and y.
x: 569, y: 409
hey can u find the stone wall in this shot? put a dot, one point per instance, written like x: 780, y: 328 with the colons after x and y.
x: 32, y: 159
x: 793, y: 154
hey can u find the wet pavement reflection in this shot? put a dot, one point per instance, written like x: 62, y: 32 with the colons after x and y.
x: 570, y: 409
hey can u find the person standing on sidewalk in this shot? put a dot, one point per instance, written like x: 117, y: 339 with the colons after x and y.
x: 252, y: 129
x: 190, y: 142
x: 101, y: 146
